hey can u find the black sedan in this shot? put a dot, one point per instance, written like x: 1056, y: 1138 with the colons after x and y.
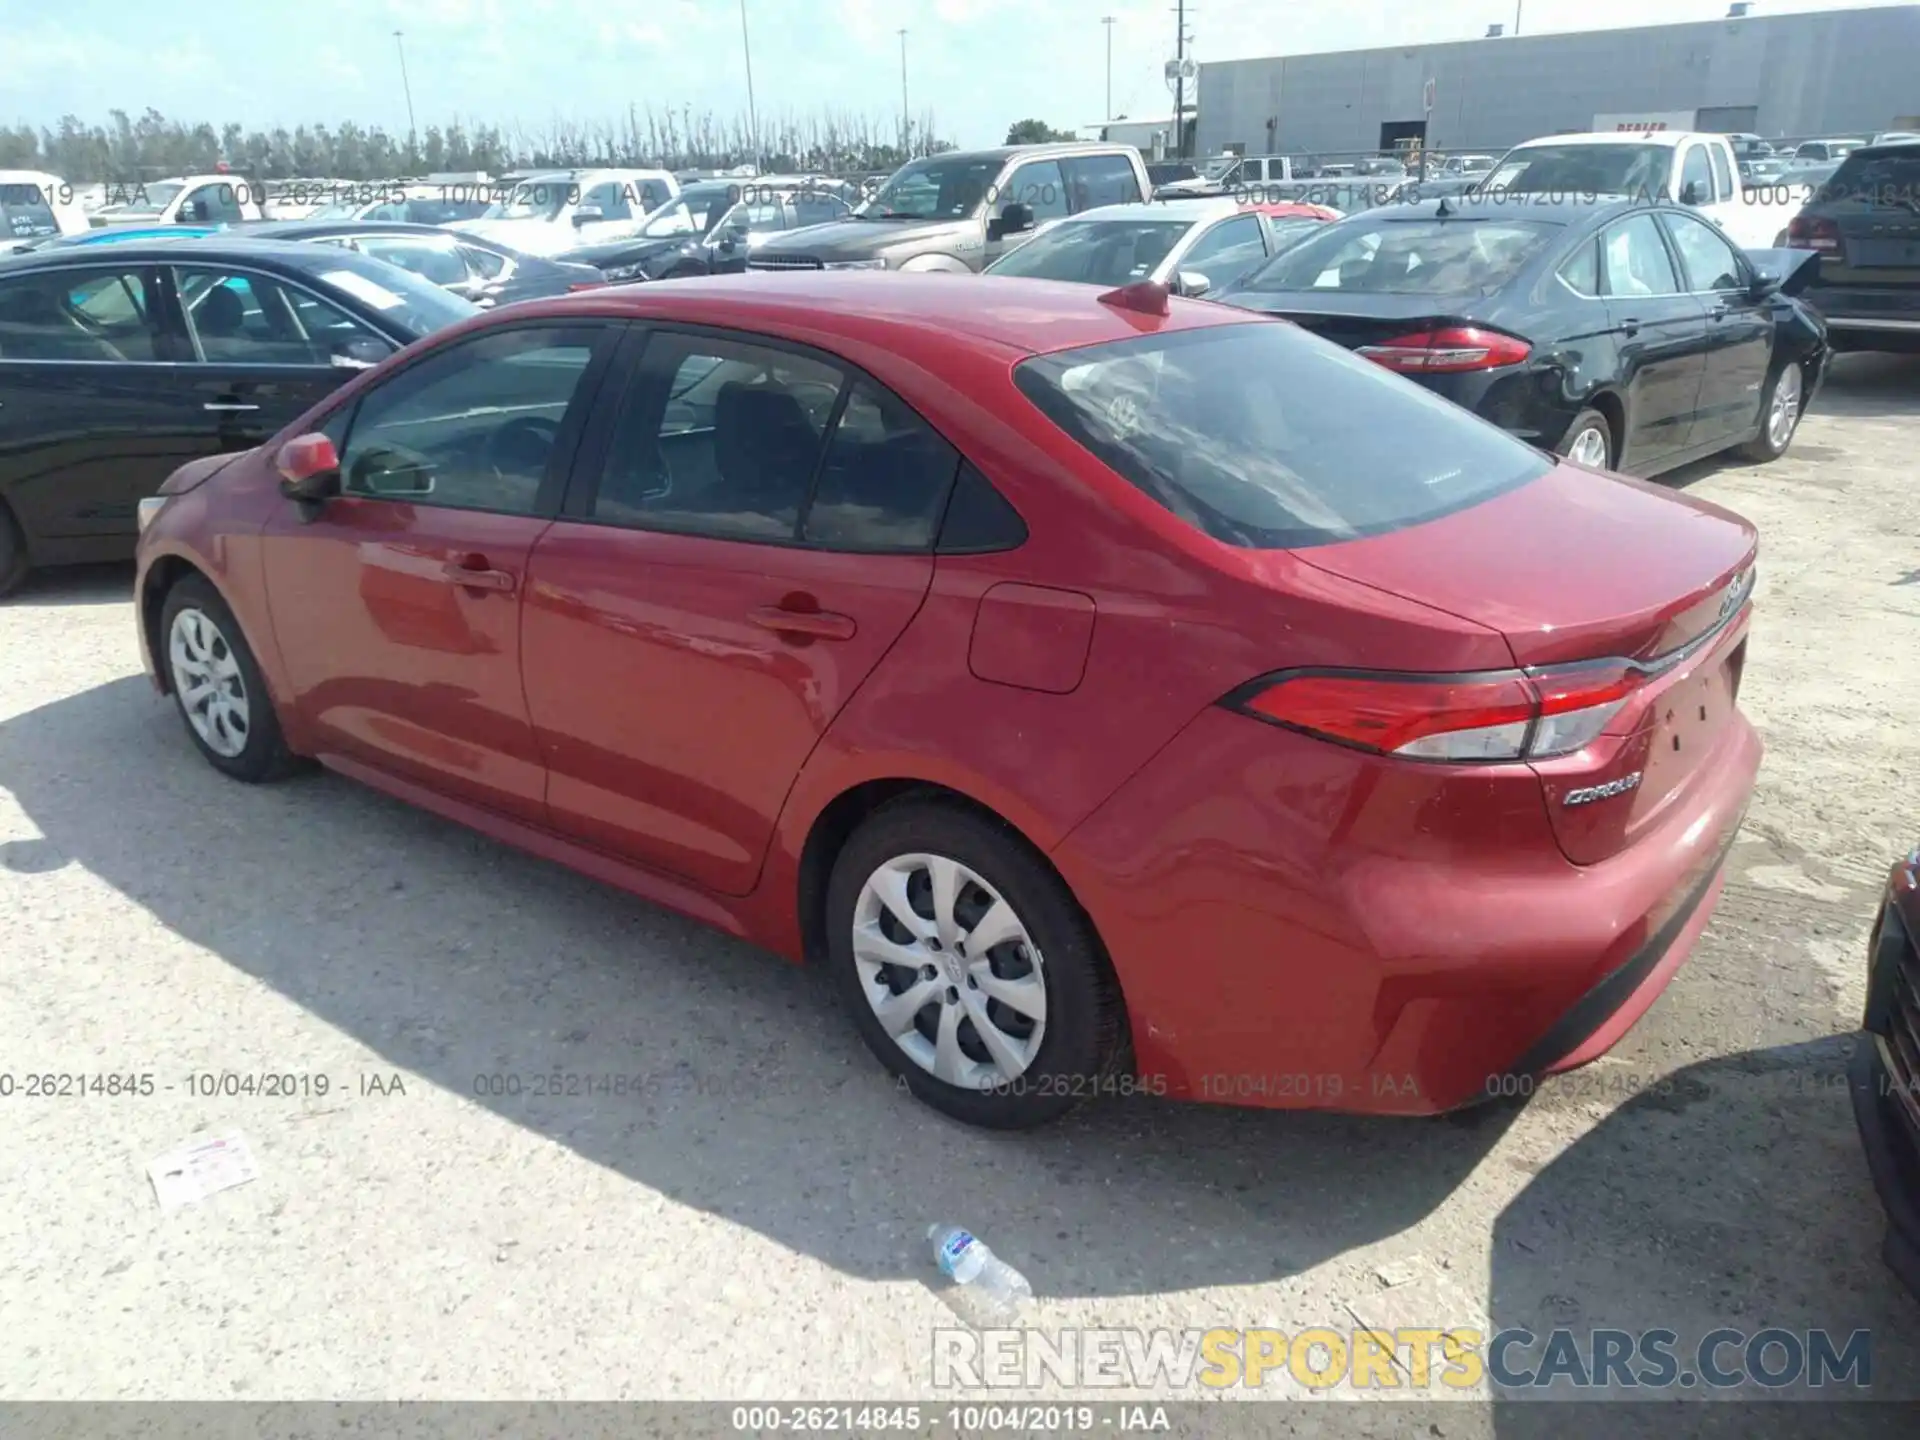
x: 483, y: 271
x: 1885, y: 1072
x: 120, y: 363
x: 1623, y: 335
x: 710, y: 228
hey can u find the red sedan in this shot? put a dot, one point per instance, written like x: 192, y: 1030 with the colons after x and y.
x: 1117, y: 693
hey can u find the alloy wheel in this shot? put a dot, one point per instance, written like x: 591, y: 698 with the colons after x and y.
x: 206, y: 677
x: 1589, y: 448
x: 1784, y: 413
x: 950, y: 970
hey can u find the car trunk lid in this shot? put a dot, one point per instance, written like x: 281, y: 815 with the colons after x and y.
x: 1577, y: 568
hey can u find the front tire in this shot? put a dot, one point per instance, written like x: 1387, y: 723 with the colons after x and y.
x: 968, y: 968
x: 1779, y: 415
x: 218, y: 687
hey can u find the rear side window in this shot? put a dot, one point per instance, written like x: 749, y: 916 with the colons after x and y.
x: 885, y: 478
x: 1581, y: 272
x: 1468, y: 256
x: 1264, y: 436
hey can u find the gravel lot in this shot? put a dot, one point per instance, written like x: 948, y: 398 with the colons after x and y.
x: 752, y: 1225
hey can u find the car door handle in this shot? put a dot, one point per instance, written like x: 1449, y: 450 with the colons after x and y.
x: 821, y: 623
x: 228, y: 406
x: 473, y: 573
x: 1630, y: 325
x: 1718, y: 312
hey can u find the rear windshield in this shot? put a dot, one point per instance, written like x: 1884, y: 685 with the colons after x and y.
x: 1888, y: 180
x: 1378, y: 255
x: 25, y: 213
x: 1264, y: 436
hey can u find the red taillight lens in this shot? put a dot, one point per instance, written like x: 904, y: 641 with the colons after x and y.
x: 1448, y: 351
x: 1813, y: 232
x: 1500, y: 715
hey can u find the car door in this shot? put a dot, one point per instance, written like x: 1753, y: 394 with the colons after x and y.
x: 264, y: 349
x: 1740, y: 329
x: 1662, y: 336
x: 1041, y: 187
x: 95, y: 408
x: 747, y: 534
x: 396, y: 609
x: 1224, y: 251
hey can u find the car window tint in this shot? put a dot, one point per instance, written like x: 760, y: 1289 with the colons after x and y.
x: 979, y: 518
x: 1722, y: 174
x: 1039, y: 186
x: 885, y: 478
x: 1462, y: 256
x: 483, y: 263
x: 1101, y: 180
x: 759, y: 217
x: 1246, y: 432
x: 1694, y: 171
x: 717, y: 437
x: 819, y: 209
x: 216, y: 204
x: 435, y: 261
x: 25, y: 212
x: 1093, y: 251
x: 471, y: 428
x: 1636, y: 261
x: 1227, y: 251
x: 1706, y: 255
x: 254, y: 320
x: 1582, y: 269
x: 99, y: 315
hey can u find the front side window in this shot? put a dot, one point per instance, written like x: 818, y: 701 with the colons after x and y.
x: 613, y: 199
x: 1039, y: 186
x: 717, y: 438
x: 937, y: 188
x: 102, y: 315
x: 472, y: 428
x: 1707, y: 256
x: 1228, y: 250
x: 1635, y: 260
x: 1697, y: 174
x: 1245, y: 431
x: 252, y: 319
x: 213, y: 205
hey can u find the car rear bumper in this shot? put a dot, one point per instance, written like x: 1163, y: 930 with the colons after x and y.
x: 1868, y: 311
x: 1295, y: 924
x: 1885, y: 1075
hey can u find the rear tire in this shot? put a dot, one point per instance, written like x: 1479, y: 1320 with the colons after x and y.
x: 1007, y: 1035
x: 1589, y: 441
x: 1780, y: 411
x: 13, y: 553
x: 218, y: 687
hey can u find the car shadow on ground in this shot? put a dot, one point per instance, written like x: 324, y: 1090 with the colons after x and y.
x: 1870, y: 386
x: 1774, y: 1224
x: 461, y: 961
x: 104, y: 584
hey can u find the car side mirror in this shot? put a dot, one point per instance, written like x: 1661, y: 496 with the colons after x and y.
x: 309, y: 468
x: 358, y: 353
x: 195, y: 214
x: 587, y: 214
x: 1763, y: 284
x: 1690, y: 193
x: 1192, y: 284
x: 1015, y: 218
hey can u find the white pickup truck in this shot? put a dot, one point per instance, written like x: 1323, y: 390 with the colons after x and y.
x: 1685, y: 167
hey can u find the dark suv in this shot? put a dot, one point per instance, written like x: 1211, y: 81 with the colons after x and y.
x: 961, y: 210
x: 1864, y: 224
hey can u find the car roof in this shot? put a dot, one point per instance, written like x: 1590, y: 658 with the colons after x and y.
x: 1051, y: 147
x: 302, y: 229
x: 1670, y: 139
x: 1006, y: 316
x: 1206, y: 207
x: 220, y: 245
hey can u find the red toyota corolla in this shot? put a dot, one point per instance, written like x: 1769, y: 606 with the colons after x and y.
x: 1117, y: 694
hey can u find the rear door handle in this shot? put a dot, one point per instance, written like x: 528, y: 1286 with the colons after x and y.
x: 1631, y: 325
x: 228, y: 406
x: 473, y: 573
x: 821, y: 623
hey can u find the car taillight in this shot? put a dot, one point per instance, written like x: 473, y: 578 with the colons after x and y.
x: 1448, y: 351
x: 1813, y: 232
x: 1489, y: 715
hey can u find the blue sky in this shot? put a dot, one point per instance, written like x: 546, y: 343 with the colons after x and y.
x: 977, y: 65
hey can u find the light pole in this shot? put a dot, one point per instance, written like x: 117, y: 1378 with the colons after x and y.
x: 753, y: 116
x: 1107, y: 20
x: 1518, y: 5
x: 906, y: 125
x: 413, y: 133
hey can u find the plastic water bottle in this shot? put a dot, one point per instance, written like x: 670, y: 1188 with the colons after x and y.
x: 996, y: 1285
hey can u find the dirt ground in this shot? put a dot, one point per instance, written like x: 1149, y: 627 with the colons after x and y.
x: 753, y: 1225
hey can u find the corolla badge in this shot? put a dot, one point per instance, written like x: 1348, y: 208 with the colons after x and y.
x: 1591, y: 793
